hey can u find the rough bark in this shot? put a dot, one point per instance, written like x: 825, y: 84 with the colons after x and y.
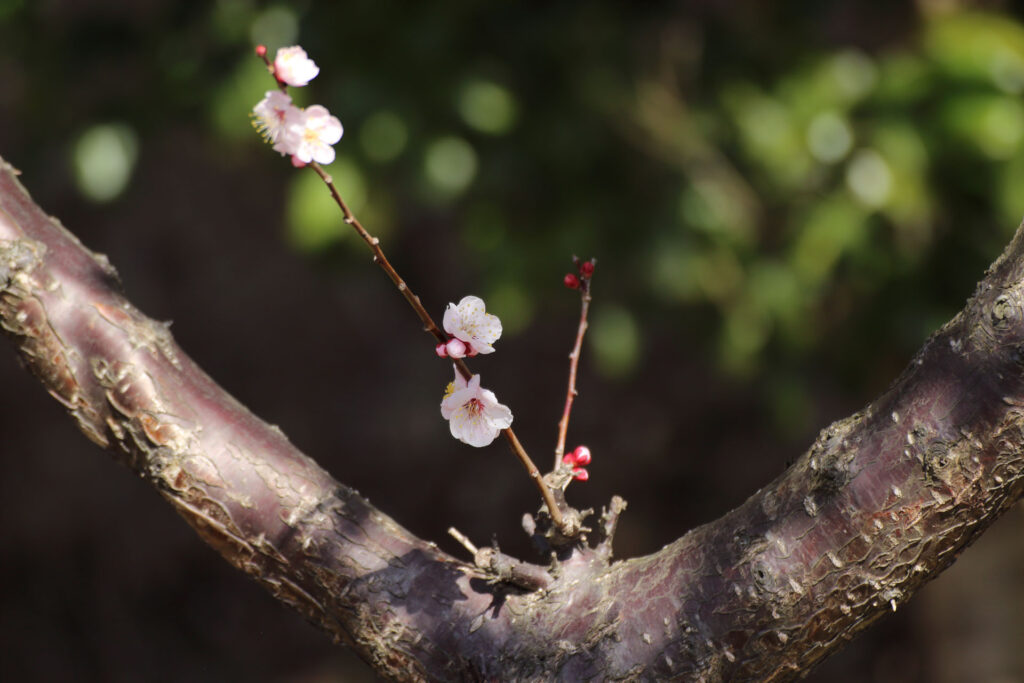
x: 881, y: 502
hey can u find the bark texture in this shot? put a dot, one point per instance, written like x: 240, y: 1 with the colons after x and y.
x: 880, y: 503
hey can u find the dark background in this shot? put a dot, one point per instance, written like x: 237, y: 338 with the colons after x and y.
x: 784, y: 202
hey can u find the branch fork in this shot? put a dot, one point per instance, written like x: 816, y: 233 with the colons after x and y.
x: 762, y: 593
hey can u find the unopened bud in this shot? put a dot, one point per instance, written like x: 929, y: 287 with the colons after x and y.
x: 441, y: 351
x: 571, y: 281
x: 261, y: 51
x: 580, y: 474
x: 587, y: 268
x: 569, y: 459
x: 456, y: 348
x: 581, y: 455
x: 297, y: 162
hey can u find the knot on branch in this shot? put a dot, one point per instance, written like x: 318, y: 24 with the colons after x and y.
x: 1004, y: 312
x: 998, y: 317
x: 830, y: 462
x: 18, y: 257
x: 597, y: 538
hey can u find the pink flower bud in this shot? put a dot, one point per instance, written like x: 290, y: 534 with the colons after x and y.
x: 441, y: 351
x: 261, y: 51
x: 580, y: 474
x: 581, y: 456
x: 456, y: 348
x: 569, y: 459
x: 297, y: 162
x: 587, y: 268
x: 571, y: 281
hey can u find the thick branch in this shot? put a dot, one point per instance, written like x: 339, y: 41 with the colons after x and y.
x: 882, y: 502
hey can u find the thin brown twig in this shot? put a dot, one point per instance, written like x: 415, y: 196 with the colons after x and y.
x: 463, y: 539
x: 281, y: 85
x: 535, y: 476
x: 431, y: 327
x: 381, y: 260
x: 574, y: 360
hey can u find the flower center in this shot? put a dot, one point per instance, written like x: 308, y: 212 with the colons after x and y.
x: 474, y: 406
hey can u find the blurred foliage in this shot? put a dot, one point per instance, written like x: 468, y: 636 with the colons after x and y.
x: 103, y: 158
x: 761, y: 171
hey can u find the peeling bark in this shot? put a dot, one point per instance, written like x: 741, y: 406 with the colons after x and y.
x: 880, y: 503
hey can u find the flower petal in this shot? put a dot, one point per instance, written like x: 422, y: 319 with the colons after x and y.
x: 323, y: 154
x: 470, y: 303
x: 455, y: 401
x: 472, y: 428
x: 488, y: 329
x: 451, y: 318
x: 500, y: 416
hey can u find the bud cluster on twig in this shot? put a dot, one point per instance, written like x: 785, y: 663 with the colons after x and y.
x: 581, y: 278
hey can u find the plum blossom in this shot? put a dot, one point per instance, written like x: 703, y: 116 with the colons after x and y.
x: 311, y: 134
x: 469, y: 323
x: 306, y: 135
x: 272, y: 115
x: 474, y: 415
x: 292, y: 66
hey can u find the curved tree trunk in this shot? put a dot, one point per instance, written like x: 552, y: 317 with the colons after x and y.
x: 882, y: 502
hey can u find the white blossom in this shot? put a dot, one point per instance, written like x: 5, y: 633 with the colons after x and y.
x: 474, y: 415
x: 470, y: 323
x: 292, y: 66
x: 311, y: 134
x: 272, y: 116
